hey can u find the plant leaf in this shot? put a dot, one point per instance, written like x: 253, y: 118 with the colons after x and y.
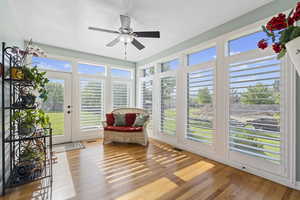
x: 281, y: 54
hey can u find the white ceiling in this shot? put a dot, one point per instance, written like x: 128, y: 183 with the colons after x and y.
x: 64, y: 23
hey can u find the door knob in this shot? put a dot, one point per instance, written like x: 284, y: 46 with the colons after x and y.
x: 69, y: 112
x: 69, y: 106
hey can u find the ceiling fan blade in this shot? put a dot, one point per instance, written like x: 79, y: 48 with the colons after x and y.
x: 103, y: 30
x: 125, y: 21
x: 147, y: 34
x: 114, y: 42
x: 137, y: 44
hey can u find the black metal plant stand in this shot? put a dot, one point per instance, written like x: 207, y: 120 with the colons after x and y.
x: 15, y: 170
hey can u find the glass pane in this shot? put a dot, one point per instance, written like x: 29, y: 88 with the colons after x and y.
x: 91, y: 103
x: 51, y: 64
x: 245, y: 43
x: 121, y: 95
x: 54, y: 106
x: 148, y: 71
x: 91, y: 69
x: 202, y: 56
x: 200, y: 106
x: 171, y: 65
x: 121, y: 73
x: 255, y: 108
x: 168, y: 106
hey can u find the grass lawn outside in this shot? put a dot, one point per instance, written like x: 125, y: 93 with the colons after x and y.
x: 57, y: 122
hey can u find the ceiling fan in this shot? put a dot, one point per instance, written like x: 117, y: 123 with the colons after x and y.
x: 127, y: 35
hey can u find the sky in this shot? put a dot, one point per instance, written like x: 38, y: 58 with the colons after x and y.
x: 58, y: 65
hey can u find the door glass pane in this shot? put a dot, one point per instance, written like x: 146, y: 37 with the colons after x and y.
x: 91, y: 103
x: 168, y: 105
x: 54, y: 106
x: 255, y: 90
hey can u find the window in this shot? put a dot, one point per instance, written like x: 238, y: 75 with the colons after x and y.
x: 170, y: 65
x: 255, y: 97
x: 91, y: 103
x: 51, y: 64
x: 200, y: 110
x: 168, y: 105
x: 120, y: 73
x: 91, y: 69
x: 146, y: 95
x: 120, y: 95
x: 147, y: 72
x: 245, y: 43
x: 202, y: 56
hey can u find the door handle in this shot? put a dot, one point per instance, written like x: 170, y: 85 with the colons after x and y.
x: 69, y: 106
x: 69, y: 112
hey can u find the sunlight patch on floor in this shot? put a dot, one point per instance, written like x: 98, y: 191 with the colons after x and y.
x: 194, y: 170
x: 150, y: 191
x: 62, y: 178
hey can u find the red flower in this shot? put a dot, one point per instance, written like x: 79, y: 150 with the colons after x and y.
x: 262, y: 44
x: 296, y: 15
x: 277, y: 23
x: 277, y: 47
x: 291, y: 21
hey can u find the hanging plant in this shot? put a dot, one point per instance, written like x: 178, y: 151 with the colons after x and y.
x: 280, y: 30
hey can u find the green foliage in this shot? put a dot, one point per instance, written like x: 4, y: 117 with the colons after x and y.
x: 204, y: 97
x: 259, y: 94
x: 31, y: 117
x: 38, y: 79
x: 32, y: 154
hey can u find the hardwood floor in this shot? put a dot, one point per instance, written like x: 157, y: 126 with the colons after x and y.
x: 132, y: 172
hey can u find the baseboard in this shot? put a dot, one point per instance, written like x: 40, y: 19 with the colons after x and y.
x: 297, y: 185
x: 260, y: 173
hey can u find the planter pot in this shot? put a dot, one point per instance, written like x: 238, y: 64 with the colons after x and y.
x: 17, y: 73
x: 293, y: 49
x: 26, y: 130
x: 28, y: 100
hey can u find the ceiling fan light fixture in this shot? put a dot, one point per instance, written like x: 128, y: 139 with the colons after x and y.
x: 126, y: 38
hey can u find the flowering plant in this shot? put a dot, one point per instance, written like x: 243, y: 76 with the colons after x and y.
x: 280, y: 30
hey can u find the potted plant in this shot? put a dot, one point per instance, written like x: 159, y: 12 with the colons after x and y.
x: 284, y: 33
x: 31, y: 162
x: 29, y: 120
x: 39, y: 81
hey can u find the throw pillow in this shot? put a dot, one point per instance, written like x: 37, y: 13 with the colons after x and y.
x: 130, y: 118
x: 119, y: 119
x: 110, y: 120
x: 140, y: 120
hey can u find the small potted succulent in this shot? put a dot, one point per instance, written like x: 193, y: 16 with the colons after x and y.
x: 284, y: 35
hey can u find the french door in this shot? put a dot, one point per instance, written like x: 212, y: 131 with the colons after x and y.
x: 58, y: 106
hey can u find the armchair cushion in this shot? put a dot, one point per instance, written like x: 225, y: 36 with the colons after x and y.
x: 130, y: 118
x: 110, y: 120
x: 140, y: 120
x: 123, y: 128
x: 119, y: 119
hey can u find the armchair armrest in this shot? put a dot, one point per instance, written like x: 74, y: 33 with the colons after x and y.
x: 146, y: 124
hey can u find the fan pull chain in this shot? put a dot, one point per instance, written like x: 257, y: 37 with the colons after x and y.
x: 125, y: 50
